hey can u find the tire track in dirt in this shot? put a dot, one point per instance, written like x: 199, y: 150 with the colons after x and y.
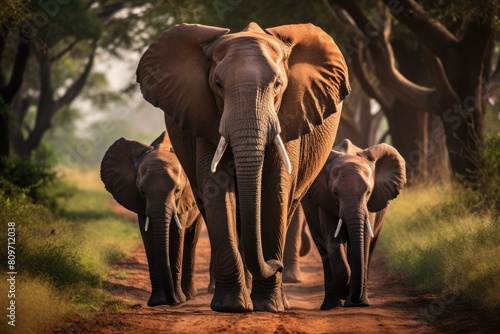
x: 396, y: 307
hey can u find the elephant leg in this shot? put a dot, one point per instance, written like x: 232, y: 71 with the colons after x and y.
x: 157, y: 292
x: 219, y: 204
x: 267, y: 295
x: 188, y: 263
x: 176, y: 251
x: 211, y: 283
x: 291, y: 271
x: 248, y: 274
x: 337, y: 255
x: 370, y: 244
x: 331, y: 299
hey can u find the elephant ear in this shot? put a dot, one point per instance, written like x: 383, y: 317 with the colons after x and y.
x: 317, y: 79
x: 162, y: 139
x: 118, y: 173
x: 173, y: 75
x: 163, y: 143
x: 390, y: 175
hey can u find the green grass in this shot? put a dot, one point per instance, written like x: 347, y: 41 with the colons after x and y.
x: 64, y: 260
x: 446, y: 243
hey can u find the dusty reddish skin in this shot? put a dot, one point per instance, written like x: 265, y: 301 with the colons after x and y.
x: 396, y: 306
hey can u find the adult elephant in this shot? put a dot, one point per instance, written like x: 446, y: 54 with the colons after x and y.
x: 275, y: 98
x: 345, y: 209
x: 149, y: 180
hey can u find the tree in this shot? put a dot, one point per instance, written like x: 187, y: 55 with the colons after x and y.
x: 10, y: 19
x: 54, y: 48
x: 458, y: 53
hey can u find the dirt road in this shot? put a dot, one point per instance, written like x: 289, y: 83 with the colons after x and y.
x: 396, y: 307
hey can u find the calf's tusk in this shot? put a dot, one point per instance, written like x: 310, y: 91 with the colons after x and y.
x: 339, y: 225
x: 146, y: 225
x: 282, y: 152
x: 218, y: 153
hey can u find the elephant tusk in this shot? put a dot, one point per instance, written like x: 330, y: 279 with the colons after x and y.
x: 218, y: 153
x: 146, y: 225
x: 177, y: 221
x: 339, y: 225
x: 369, y: 226
x: 282, y: 152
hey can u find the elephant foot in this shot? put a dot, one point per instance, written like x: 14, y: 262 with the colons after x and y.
x: 211, y: 287
x: 292, y: 275
x: 267, y: 295
x: 363, y: 302
x: 268, y: 304
x: 331, y: 302
x: 232, y: 300
x: 157, y: 298
x: 189, y: 292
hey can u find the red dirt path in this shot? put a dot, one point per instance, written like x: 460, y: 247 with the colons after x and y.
x: 397, y: 307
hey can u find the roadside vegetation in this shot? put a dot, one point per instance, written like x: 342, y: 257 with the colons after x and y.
x: 446, y: 238
x: 67, y: 238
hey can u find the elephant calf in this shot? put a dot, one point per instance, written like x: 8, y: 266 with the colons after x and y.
x: 345, y: 209
x: 150, y: 181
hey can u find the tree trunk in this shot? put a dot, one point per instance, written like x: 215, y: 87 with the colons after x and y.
x: 9, y: 91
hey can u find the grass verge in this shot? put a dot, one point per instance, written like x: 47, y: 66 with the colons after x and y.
x: 63, y: 261
x: 446, y: 244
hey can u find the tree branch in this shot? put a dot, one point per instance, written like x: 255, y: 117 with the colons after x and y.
x: 77, y: 85
x: 439, y: 77
x: 16, y: 78
x: 359, y: 71
x: 432, y: 34
x: 381, y: 53
x: 355, y: 12
x: 65, y: 50
x: 2, y: 75
x: 495, y: 75
x: 411, y: 94
x: 105, y: 12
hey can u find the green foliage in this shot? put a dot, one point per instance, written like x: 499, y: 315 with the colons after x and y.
x: 12, y: 14
x: 43, y: 246
x: 33, y: 178
x: 65, y: 259
x: 434, y: 236
x: 237, y: 14
x: 489, y: 178
x: 39, y: 305
x: 454, y: 12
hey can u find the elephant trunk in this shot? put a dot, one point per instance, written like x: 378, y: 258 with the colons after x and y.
x: 162, y: 274
x: 249, y: 123
x: 355, y: 224
x: 248, y: 154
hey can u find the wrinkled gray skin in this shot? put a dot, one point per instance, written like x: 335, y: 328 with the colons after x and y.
x: 298, y: 243
x: 149, y: 180
x: 354, y: 185
x: 273, y: 97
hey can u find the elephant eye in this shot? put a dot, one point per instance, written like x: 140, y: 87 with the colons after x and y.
x: 142, y: 193
x: 278, y: 83
x: 177, y: 190
x: 218, y: 83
